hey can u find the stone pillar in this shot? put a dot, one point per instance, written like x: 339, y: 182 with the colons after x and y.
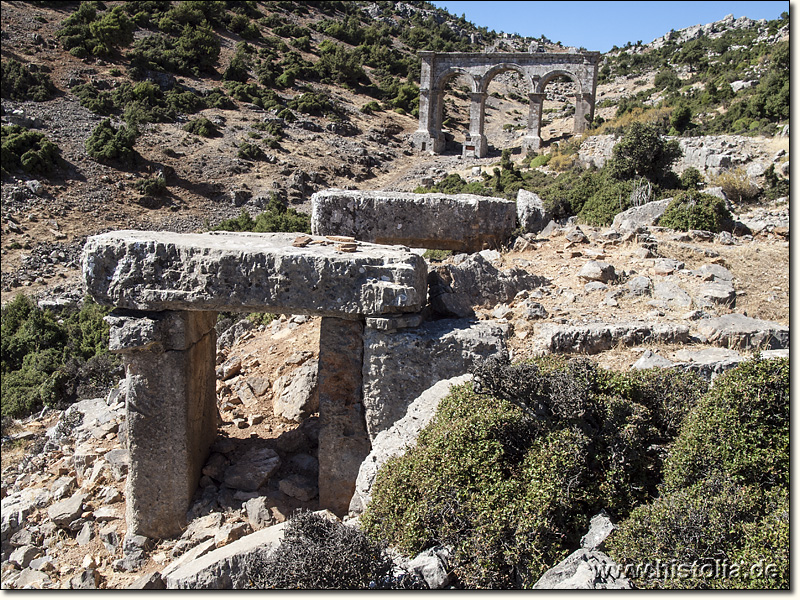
x: 427, y: 136
x: 476, y: 144
x: 343, y: 439
x: 533, y: 138
x: 584, y: 112
x: 171, y: 412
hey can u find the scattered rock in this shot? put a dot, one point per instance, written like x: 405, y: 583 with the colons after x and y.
x: 295, y: 395
x: 597, y: 270
x: 252, y: 470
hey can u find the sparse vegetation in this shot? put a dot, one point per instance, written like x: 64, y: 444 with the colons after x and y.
x: 276, y: 217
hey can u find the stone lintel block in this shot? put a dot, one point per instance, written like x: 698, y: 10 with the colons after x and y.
x: 251, y: 272
x: 171, y: 423
x: 157, y: 331
x: 343, y: 439
x: 397, y: 321
x: 459, y: 222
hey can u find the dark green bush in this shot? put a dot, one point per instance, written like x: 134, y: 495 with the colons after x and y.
x: 87, y: 32
x: 318, y: 553
x: 108, y: 144
x: 691, y: 209
x: 726, y: 489
x: 643, y: 152
x: 509, y: 479
x: 152, y: 186
x: 691, y: 179
x: 50, y: 362
x: 276, y: 218
x: 27, y: 150
x: 196, y: 50
x: 26, y: 82
x: 250, y: 151
x: 610, y: 198
x: 202, y: 127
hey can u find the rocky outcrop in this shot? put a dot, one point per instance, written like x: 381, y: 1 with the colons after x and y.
x: 737, y: 331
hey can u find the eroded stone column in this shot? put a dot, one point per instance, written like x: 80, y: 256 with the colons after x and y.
x: 343, y: 439
x: 533, y: 137
x: 171, y: 412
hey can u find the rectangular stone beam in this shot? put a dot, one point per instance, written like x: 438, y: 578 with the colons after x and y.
x: 458, y: 222
x: 251, y: 272
x: 343, y: 439
x: 171, y: 412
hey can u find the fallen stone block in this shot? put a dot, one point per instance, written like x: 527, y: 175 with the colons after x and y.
x: 460, y: 222
x: 584, y: 570
x: 737, y: 331
x: 252, y: 470
x: 591, y: 339
x: 640, y: 216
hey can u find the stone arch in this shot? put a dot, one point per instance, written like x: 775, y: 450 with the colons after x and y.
x: 536, y: 68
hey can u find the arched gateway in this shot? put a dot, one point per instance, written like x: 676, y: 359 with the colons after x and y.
x: 537, y: 69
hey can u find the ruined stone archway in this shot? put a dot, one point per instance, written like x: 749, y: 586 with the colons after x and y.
x: 537, y: 69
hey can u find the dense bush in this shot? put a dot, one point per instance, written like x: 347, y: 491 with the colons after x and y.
x: 26, y: 82
x: 725, y: 495
x: 52, y: 362
x: 86, y: 32
x: 509, y: 480
x: 109, y: 144
x: 196, y: 50
x: 202, y: 127
x: 694, y: 210
x: 643, y: 152
x: 277, y: 217
x: 318, y: 553
x: 28, y: 150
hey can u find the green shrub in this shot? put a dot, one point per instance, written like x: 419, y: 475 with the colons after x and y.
x: 27, y: 150
x: 250, y: 151
x: 152, y: 186
x: 53, y: 362
x: 108, y: 144
x: 726, y: 489
x: 691, y: 179
x: 643, y: 152
x: 610, y: 198
x: 26, y: 82
x: 312, y: 103
x: 509, y: 479
x: 736, y: 184
x: 276, y: 218
x: 202, y: 127
x: 694, y: 210
x: 317, y: 553
x: 370, y: 107
x: 86, y: 32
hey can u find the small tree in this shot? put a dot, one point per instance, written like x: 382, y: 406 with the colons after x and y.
x: 643, y: 152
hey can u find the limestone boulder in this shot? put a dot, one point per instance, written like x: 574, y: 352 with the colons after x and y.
x: 532, y: 216
x: 736, y: 331
x: 584, y: 570
x: 640, y: 216
x: 597, y: 270
x: 295, y: 395
x: 598, y: 337
x: 252, y: 470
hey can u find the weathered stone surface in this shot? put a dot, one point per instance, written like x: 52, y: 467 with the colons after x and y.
x: 343, y: 438
x: 252, y: 470
x: 597, y: 270
x: 396, y: 439
x: 433, y: 565
x: 227, y: 567
x: 157, y: 331
x: 531, y: 213
x: 171, y: 423
x: 600, y: 527
x: 461, y: 222
x: 666, y: 266
x: 584, y: 570
x: 250, y: 272
x: 64, y: 512
x: 719, y: 293
x: 258, y: 514
x: 740, y: 332
x: 651, y: 360
x: 640, y: 216
x: 295, y: 395
x: 118, y: 463
x: 481, y: 283
x: 671, y: 293
x: 400, y: 366
x: 15, y: 509
x: 713, y: 272
x: 148, y: 581
x: 591, y: 339
x: 88, y: 579
x: 23, y: 555
x: 298, y: 486
x: 640, y: 286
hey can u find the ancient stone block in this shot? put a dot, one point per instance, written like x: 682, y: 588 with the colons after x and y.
x: 401, y: 365
x: 460, y: 222
x: 171, y: 420
x: 251, y: 272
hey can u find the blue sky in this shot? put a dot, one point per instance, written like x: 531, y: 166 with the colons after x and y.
x: 598, y: 25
